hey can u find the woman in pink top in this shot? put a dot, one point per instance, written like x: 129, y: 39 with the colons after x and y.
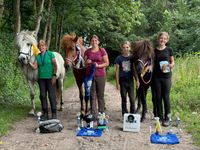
x: 98, y: 56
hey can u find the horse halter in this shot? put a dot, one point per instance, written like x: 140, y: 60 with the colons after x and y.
x: 78, y: 61
x: 28, y: 54
x: 147, y: 67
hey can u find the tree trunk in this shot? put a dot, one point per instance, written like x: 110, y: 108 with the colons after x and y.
x: 47, y: 21
x: 1, y: 9
x: 60, y: 32
x: 45, y: 30
x: 39, y: 17
x: 35, y: 8
x: 17, y: 15
x: 56, y: 33
x: 49, y: 33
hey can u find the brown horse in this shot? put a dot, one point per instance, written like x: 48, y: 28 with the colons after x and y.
x: 74, y: 52
x: 143, y: 56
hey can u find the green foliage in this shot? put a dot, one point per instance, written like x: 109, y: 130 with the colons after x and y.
x: 11, y: 76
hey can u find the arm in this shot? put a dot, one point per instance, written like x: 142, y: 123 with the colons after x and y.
x: 117, y: 76
x: 171, y: 62
x: 105, y: 62
x: 34, y: 65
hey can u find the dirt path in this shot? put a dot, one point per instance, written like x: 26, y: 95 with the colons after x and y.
x: 23, y: 137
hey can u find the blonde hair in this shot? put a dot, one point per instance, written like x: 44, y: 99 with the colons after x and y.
x: 163, y: 33
x: 126, y: 42
x: 42, y: 42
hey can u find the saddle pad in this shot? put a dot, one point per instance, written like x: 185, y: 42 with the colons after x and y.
x: 90, y: 132
x: 168, y: 138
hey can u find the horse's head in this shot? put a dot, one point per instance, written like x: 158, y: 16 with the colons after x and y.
x: 143, y: 55
x: 25, y: 41
x: 71, y: 45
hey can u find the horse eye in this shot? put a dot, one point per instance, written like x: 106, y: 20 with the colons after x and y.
x: 28, y: 44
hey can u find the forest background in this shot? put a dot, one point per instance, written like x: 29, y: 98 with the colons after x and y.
x: 113, y: 21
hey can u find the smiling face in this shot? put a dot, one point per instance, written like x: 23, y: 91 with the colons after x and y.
x: 42, y: 46
x: 163, y: 38
x: 94, y: 41
x: 125, y: 49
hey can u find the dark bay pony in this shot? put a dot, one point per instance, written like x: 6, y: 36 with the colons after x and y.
x: 74, y: 53
x: 143, y: 56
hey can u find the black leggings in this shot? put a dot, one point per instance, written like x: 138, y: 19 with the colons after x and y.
x: 162, y: 91
x: 45, y: 86
x: 126, y: 87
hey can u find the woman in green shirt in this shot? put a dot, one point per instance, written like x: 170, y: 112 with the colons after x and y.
x: 47, y: 68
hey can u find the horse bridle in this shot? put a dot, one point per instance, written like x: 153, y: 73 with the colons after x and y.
x: 76, y: 60
x: 146, y: 64
x: 27, y: 54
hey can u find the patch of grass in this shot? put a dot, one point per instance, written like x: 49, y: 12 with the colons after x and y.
x: 10, y: 114
x: 69, y: 79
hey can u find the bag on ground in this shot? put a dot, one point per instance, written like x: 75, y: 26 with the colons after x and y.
x: 50, y: 126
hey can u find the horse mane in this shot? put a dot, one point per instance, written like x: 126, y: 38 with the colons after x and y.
x: 69, y: 40
x: 142, y: 49
x: 29, y: 36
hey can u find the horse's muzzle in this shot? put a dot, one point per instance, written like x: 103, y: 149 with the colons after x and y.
x: 23, y: 60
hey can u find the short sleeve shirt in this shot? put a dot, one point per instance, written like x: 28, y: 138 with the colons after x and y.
x: 162, y: 56
x: 45, y: 65
x: 125, y: 66
x: 98, y: 58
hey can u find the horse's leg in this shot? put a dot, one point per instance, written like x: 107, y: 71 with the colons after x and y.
x: 32, y: 95
x: 138, y: 101
x: 59, y: 94
x: 80, y: 87
x: 144, y: 105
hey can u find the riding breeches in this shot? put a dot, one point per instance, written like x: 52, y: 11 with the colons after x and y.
x: 46, y: 86
x: 162, y: 92
x: 127, y: 87
x: 97, y: 94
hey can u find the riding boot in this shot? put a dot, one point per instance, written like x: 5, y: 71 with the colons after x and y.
x: 54, y: 114
x: 44, y: 116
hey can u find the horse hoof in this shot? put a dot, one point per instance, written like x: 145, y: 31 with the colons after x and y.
x: 59, y: 109
x: 32, y: 113
x: 142, y: 119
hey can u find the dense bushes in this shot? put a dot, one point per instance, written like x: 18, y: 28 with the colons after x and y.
x: 12, y: 86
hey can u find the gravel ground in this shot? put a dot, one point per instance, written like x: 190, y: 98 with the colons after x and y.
x: 23, y: 136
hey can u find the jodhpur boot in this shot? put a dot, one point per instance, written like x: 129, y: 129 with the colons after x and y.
x: 54, y: 116
x: 44, y: 117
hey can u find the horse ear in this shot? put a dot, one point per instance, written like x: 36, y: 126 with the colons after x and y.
x: 34, y: 34
x: 75, y: 39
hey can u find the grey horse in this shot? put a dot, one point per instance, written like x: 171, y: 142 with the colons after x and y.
x: 25, y: 40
